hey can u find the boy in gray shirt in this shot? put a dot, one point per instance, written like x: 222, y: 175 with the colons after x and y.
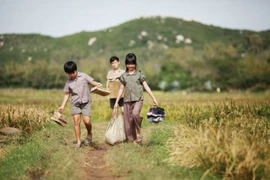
x: 77, y: 86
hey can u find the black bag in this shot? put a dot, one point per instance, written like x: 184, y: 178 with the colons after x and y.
x: 156, y: 115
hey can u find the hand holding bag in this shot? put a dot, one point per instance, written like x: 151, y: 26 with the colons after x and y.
x: 115, y: 132
x: 156, y: 115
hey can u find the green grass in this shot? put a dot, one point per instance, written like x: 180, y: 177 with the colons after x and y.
x: 26, y: 159
x: 43, y: 154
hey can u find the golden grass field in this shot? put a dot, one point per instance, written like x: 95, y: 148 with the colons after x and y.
x: 226, y: 134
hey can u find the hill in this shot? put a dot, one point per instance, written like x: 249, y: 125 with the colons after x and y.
x: 154, y: 39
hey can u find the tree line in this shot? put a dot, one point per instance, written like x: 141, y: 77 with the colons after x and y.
x: 215, y: 66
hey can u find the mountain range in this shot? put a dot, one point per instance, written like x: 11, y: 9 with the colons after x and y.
x: 153, y: 39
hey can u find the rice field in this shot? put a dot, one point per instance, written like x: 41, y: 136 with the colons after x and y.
x: 222, y: 134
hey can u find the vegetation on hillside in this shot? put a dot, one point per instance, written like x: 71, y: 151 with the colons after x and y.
x: 174, y: 53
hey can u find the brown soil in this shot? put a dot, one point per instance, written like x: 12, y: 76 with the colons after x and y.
x: 95, y: 165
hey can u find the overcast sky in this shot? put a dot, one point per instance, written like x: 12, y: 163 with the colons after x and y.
x: 64, y: 17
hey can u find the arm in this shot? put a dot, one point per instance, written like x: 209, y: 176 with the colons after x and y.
x: 107, y: 80
x: 148, y: 90
x: 120, y: 92
x: 107, y: 84
x: 66, y: 97
x: 94, y: 83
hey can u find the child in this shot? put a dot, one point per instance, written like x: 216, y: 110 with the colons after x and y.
x: 113, y: 83
x: 133, y: 81
x: 77, y: 86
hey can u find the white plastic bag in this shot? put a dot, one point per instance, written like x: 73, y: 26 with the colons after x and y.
x: 115, y: 131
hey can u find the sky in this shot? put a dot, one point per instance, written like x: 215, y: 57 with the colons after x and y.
x: 59, y: 18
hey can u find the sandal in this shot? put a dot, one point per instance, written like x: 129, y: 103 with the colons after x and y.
x: 87, y: 141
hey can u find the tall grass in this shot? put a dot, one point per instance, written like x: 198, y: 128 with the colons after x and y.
x: 231, y: 140
x: 204, y: 136
x: 147, y: 161
x: 24, y: 117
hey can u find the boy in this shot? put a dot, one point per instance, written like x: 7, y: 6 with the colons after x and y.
x: 77, y: 86
x: 113, y: 83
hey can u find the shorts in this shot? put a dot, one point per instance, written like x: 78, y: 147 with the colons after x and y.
x: 120, y: 102
x: 84, y: 109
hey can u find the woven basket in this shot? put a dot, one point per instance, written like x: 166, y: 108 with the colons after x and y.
x: 59, y: 118
x: 100, y: 91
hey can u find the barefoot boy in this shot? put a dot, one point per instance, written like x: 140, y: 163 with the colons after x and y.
x: 77, y: 86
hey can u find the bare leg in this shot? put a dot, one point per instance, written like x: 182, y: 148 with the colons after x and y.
x: 77, y: 127
x: 88, y: 125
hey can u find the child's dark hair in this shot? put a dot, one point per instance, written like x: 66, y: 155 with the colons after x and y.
x: 70, y: 67
x: 113, y: 58
x: 131, y: 59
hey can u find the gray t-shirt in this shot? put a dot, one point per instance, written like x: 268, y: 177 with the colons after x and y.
x: 133, y: 85
x: 79, y: 89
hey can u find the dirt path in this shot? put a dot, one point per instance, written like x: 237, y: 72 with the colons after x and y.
x: 85, y: 163
x: 95, y: 165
